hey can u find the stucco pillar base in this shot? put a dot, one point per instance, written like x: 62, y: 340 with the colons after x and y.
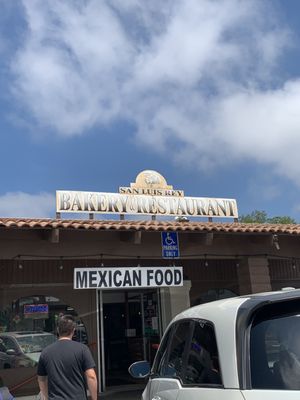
x: 254, y: 276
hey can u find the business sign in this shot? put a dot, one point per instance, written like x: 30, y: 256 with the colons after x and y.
x: 127, y: 278
x: 170, y: 245
x: 149, y: 195
x: 36, y: 311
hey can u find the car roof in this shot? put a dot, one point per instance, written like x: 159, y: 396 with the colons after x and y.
x: 25, y: 333
x: 212, y: 309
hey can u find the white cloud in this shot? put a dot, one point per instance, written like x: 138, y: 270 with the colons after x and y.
x: 19, y: 205
x: 270, y: 190
x: 195, y: 77
x: 270, y: 126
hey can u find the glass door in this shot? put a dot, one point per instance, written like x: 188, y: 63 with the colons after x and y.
x: 152, y: 324
x: 130, y: 329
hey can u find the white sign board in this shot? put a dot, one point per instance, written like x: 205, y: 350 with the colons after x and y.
x: 115, y: 203
x: 127, y: 278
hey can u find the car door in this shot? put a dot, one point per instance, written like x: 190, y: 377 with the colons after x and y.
x: 201, y: 376
x: 164, y: 382
x: 270, y: 395
x: 202, y: 393
x: 274, y: 348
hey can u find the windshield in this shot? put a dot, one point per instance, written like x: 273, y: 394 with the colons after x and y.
x: 35, y: 343
x: 275, y: 347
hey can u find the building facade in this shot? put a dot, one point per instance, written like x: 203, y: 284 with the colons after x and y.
x: 119, y: 318
x: 123, y: 325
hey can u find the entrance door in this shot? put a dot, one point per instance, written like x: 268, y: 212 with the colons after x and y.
x: 131, y: 332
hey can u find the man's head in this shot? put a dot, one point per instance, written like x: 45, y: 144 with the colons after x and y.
x: 66, y: 326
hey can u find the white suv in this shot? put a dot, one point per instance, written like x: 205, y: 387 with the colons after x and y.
x: 244, y: 348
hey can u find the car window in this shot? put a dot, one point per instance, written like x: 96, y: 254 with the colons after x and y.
x: 203, y: 362
x: 161, y: 354
x: 172, y: 362
x: 35, y: 342
x: 2, y: 346
x: 9, y: 343
x: 275, y: 347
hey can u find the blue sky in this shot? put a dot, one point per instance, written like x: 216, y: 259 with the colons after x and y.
x: 205, y: 92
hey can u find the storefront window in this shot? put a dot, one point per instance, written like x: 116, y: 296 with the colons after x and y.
x: 27, y: 325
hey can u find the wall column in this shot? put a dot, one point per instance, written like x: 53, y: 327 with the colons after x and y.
x: 173, y: 301
x: 254, y: 276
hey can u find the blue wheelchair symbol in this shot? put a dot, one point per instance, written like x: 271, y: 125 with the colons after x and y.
x: 170, y: 247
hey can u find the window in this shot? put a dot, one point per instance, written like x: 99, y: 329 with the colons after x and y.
x: 27, y: 326
x: 160, y: 358
x: 189, y: 352
x: 172, y: 357
x: 2, y: 347
x: 203, y: 362
x: 8, y: 343
x: 275, y: 347
x: 176, y: 353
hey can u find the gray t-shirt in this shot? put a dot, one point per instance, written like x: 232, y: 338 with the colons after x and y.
x: 64, y: 362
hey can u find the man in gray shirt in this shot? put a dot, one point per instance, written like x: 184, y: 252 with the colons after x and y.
x: 66, y: 367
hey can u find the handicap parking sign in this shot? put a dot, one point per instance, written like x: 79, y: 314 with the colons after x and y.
x: 170, y: 245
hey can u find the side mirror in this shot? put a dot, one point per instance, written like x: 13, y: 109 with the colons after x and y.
x: 11, y: 352
x: 139, y: 369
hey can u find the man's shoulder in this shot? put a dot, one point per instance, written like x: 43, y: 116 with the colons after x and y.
x: 83, y: 348
x: 49, y: 348
x: 62, y: 345
x: 72, y: 344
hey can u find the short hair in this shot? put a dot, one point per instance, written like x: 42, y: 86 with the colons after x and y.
x: 66, y: 325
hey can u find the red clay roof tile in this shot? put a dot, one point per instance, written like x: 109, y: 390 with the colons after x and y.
x: 121, y: 225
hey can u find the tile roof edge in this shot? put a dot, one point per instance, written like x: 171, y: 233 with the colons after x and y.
x: 148, y: 225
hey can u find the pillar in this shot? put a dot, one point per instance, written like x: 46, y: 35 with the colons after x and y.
x: 254, y: 276
x: 173, y: 301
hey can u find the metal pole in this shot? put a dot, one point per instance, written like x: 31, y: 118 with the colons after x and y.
x: 143, y: 326
x: 101, y: 355
x: 159, y: 313
x: 98, y: 341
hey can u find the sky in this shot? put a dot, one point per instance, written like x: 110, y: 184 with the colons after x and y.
x: 206, y: 92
